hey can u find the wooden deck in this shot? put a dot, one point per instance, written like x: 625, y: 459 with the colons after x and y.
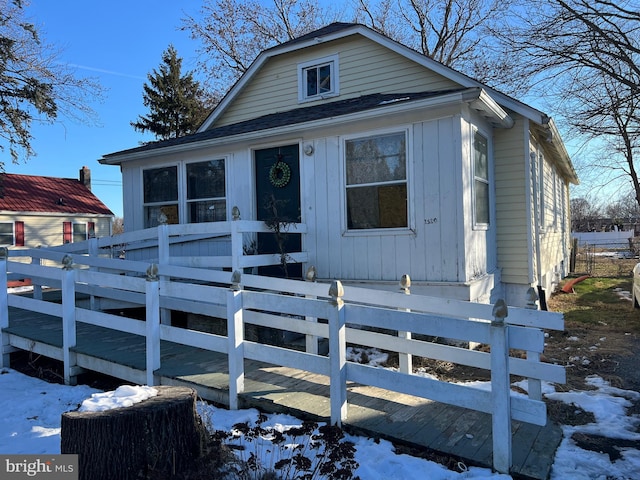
x: 374, y: 412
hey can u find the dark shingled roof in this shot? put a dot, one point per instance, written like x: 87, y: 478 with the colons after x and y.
x: 321, y: 32
x: 292, y: 117
x: 31, y: 193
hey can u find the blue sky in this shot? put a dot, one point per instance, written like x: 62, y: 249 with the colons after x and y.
x: 118, y: 43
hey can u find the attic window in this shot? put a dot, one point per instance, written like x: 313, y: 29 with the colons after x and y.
x: 318, y: 79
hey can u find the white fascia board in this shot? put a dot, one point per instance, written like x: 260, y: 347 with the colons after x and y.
x: 489, y: 108
x: 555, y: 139
x: 390, y: 109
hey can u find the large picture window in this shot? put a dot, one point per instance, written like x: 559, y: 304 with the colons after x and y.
x: 481, y: 179
x: 160, y: 187
x: 206, y: 192
x: 376, y: 182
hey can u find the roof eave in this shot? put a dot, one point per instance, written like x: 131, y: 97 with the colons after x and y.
x: 475, y: 97
x: 554, y: 140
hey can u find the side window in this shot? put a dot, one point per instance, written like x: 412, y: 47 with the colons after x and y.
x: 6, y: 234
x: 376, y: 182
x: 318, y: 79
x: 206, y: 200
x: 160, y: 197
x: 77, y: 232
x: 481, y: 180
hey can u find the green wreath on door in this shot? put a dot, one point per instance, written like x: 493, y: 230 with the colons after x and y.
x: 280, y: 173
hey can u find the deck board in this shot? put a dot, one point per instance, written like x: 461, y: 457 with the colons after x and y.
x: 407, y: 420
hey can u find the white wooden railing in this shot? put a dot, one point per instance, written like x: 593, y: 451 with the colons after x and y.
x: 236, y: 236
x: 391, y: 321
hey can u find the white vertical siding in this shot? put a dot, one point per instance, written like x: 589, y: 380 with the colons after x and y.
x: 429, y: 252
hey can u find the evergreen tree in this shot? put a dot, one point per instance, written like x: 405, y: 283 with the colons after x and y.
x: 176, y: 102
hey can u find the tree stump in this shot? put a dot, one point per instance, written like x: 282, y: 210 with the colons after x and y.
x: 158, y: 437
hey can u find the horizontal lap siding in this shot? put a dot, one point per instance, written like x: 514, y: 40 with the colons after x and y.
x: 47, y: 230
x: 513, y: 222
x: 365, y: 68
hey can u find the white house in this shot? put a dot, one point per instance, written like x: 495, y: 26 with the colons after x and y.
x: 396, y: 164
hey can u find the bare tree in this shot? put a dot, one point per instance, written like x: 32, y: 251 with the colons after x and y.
x: 456, y: 33
x: 584, y: 56
x: 584, y: 215
x: 233, y: 32
x: 34, y: 85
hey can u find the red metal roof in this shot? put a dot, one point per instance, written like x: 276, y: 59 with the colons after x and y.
x: 31, y: 193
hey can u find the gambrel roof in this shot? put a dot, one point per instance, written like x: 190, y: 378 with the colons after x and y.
x: 52, y: 195
x: 491, y: 103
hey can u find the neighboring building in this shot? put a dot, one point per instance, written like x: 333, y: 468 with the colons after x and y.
x: 49, y: 211
x: 396, y: 163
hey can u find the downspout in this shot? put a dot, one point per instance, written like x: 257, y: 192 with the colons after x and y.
x: 536, y: 229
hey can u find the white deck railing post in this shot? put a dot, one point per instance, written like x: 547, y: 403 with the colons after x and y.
x: 37, y: 288
x: 164, y: 255
x: 237, y: 246
x: 534, y: 385
x: 5, y: 349
x: 152, y: 303
x: 405, y: 359
x: 93, y: 252
x: 311, y: 340
x: 235, y: 335
x: 68, y: 319
x: 500, y: 389
x: 337, y: 355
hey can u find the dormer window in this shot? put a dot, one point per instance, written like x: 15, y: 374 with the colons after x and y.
x: 318, y: 79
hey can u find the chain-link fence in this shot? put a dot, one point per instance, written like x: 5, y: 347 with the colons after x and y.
x: 605, y: 260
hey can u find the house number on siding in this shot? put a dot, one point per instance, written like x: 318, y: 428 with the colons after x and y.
x: 429, y: 221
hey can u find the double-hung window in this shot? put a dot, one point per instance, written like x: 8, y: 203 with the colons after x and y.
x: 77, y: 231
x: 206, y: 191
x: 376, y: 181
x: 6, y: 234
x: 481, y: 179
x: 318, y: 79
x: 160, y: 196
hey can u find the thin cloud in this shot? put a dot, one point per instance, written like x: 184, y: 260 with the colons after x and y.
x: 108, y: 72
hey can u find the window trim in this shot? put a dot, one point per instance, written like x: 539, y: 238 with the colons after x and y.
x: 333, y: 62
x: 154, y: 204
x: 13, y: 234
x: 182, y: 201
x: 410, y: 228
x: 476, y: 224
x: 188, y: 201
x: 74, y: 233
x: 69, y: 233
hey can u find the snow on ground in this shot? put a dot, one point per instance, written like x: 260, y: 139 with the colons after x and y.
x: 31, y: 409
